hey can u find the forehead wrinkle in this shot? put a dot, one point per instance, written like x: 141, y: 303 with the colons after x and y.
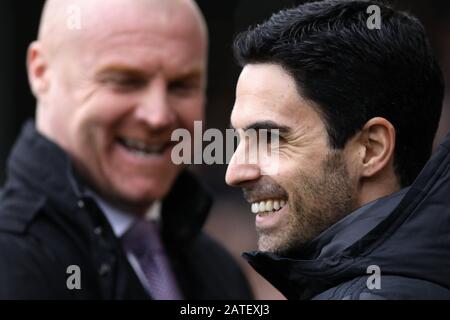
x: 147, y: 59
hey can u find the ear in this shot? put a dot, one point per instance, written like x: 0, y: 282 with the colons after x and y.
x: 377, y: 139
x: 37, y: 68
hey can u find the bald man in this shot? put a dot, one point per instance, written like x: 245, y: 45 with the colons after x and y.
x: 93, y: 207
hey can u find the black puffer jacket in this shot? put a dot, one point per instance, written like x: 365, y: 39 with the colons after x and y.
x: 405, y: 235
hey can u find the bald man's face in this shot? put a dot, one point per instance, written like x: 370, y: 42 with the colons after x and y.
x: 116, y: 96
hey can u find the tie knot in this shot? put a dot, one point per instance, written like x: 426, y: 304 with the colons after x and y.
x: 143, y: 237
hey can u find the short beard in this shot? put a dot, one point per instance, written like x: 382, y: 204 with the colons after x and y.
x: 316, y: 203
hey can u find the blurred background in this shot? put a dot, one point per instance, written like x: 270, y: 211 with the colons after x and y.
x: 231, y: 221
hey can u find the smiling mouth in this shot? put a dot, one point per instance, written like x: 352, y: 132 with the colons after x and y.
x: 268, y: 206
x: 143, y: 149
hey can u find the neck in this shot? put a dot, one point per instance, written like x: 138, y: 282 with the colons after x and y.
x: 377, y: 187
x: 135, y: 209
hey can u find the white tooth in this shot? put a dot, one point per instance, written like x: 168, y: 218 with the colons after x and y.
x: 255, y: 208
x: 262, y: 206
x: 269, y: 205
x: 282, y: 203
x: 276, y: 205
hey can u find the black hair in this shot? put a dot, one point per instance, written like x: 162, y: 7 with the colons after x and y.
x: 354, y: 73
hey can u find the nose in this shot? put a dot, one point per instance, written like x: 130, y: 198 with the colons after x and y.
x: 241, y: 172
x: 154, y: 108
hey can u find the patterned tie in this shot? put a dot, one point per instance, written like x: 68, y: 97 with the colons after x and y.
x: 144, y: 242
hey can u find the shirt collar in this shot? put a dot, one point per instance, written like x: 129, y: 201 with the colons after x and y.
x: 121, y: 221
x: 42, y: 165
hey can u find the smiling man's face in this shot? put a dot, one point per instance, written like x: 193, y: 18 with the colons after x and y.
x: 313, y: 187
x: 117, y: 90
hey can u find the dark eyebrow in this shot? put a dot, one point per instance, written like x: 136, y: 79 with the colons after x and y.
x: 116, y: 68
x: 268, y: 125
x: 119, y: 70
x: 191, y: 75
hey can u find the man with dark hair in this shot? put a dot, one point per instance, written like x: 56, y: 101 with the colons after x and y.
x: 354, y: 211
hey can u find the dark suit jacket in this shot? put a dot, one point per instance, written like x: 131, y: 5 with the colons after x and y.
x: 47, y: 225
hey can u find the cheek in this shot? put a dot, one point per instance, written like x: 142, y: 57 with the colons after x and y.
x: 107, y: 109
x: 103, y: 112
x: 296, y: 173
x: 353, y: 164
x: 304, y: 159
x: 93, y: 126
x: 291, y: 167
x: 189, y: 110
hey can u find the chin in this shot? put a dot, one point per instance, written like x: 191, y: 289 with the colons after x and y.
x: 139, y: 191
x: 150, y: 193
x: 267, y: 244
x: 273, y: 244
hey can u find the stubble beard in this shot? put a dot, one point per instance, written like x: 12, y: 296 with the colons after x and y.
x: 315, y: 203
